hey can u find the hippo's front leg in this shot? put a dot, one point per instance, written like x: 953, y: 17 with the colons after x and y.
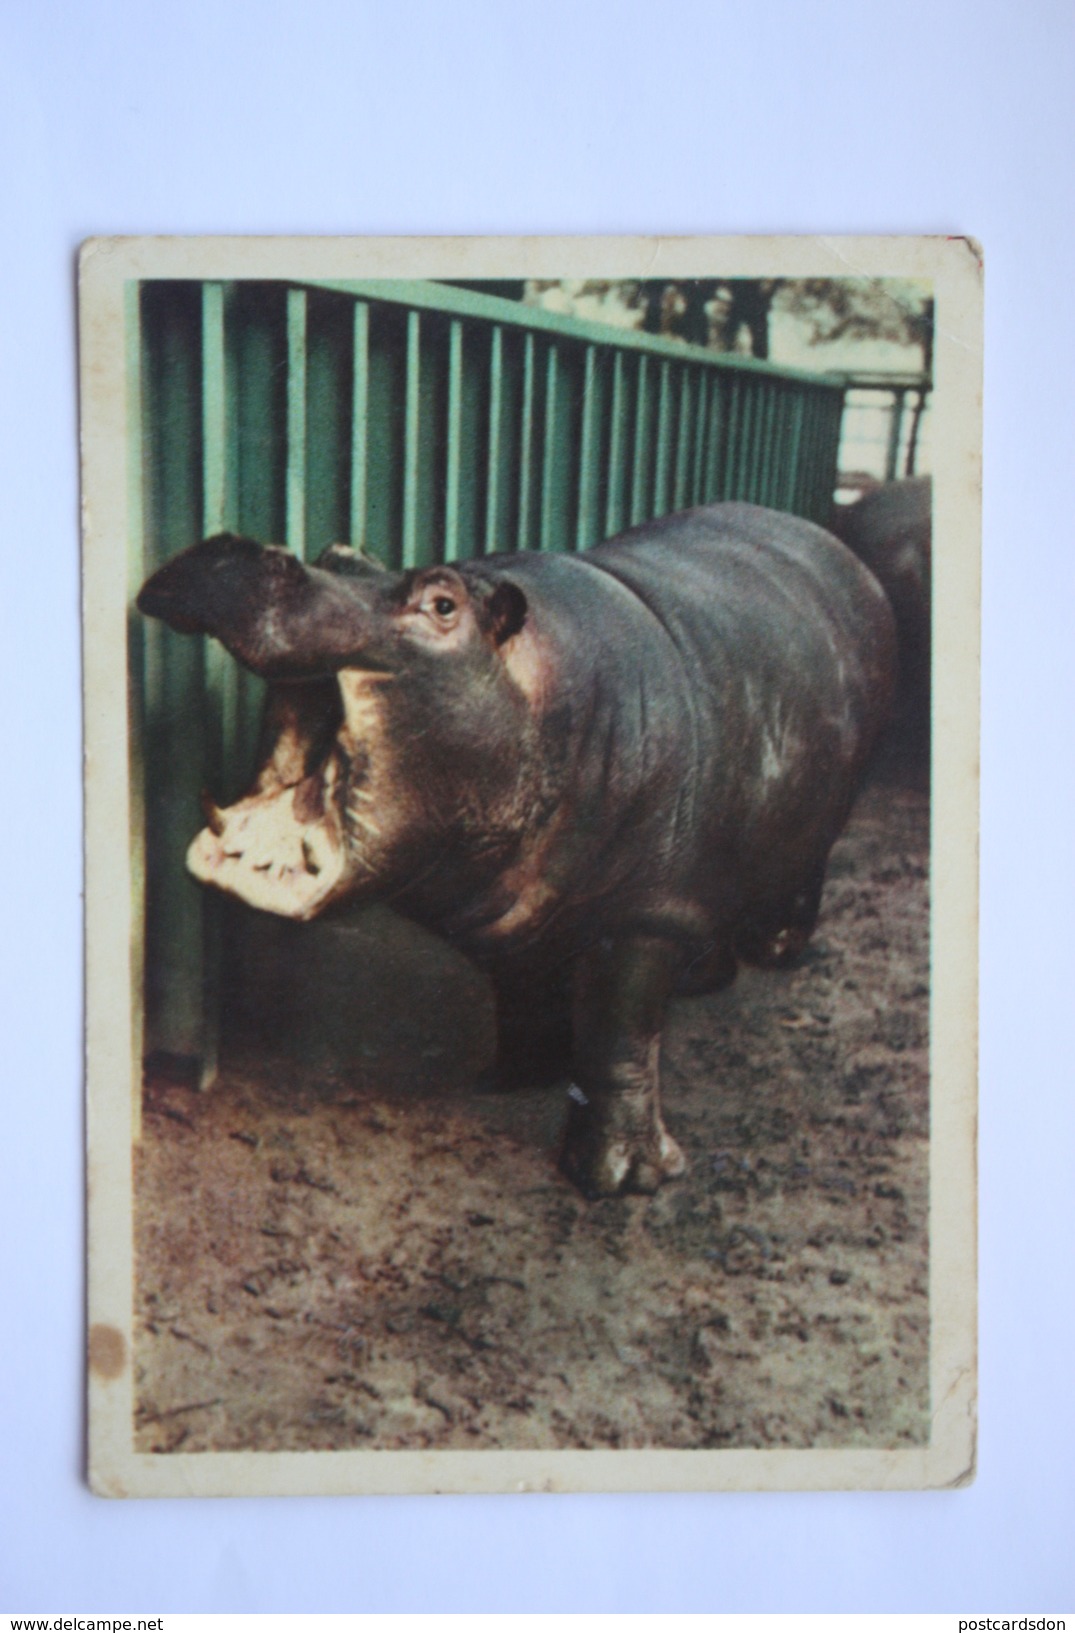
x: 615, y: 1140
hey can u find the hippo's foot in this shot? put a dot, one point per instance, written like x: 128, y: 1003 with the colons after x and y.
x: 777, y: 936
x: 782, y: 949
x: 613, y: 1150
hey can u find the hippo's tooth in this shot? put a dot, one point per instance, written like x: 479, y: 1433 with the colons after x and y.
x: 214, y: 816
x: 366, y: 823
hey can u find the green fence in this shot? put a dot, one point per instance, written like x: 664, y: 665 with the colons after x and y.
x: 424, y: 423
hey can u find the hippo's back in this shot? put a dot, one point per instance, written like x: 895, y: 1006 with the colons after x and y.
x: 773, y: 595
x: 890, y: 531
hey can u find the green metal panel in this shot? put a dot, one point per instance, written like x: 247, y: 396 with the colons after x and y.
x: 452, y: 475
x: 641, y: 443
x: 663, y: 472
x: 219, y: 508
x: 495, y: 474
x: 429, y: 498
x: 174, y: 681
x: 549, y: 470
x: 617, y: 460
x: 773, y: 445
x: 564, y: 394
x: 359, y: 422
x: 683, y: 439
x: 587, y: 507
x: 701, y: 424
x: 409, y: 551
x: 296, y: 421
x: 895, y: 425
x: 137, y: 632
x: 794, y: 450
x: 473, y: 440
x: 256, y: 334
x: 414, y: 295
x: 384, y: 442
x: 423, y: 423
x: 526, y: 443
x: 740, y: 476
x: 329, y: 414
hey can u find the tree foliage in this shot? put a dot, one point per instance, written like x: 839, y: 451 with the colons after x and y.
x: 732, y: 314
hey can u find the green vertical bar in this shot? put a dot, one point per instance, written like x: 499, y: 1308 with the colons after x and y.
x: 548, y: 463
x: 763, y: 420
x: 638, y: 461
x: 526, y: 444
x: 614, y: 502
x: 824, y: 463
x: 175, y: 687
x: 296, y: 421
x: 698, y: 461
x: 757, y: 476
x: 492, y: 464
x: 794, y: 450
x: 895, y: 426
x: 783, y: 446
x: 221, y: 676
x: 711, y: 488
x: 410, y: 443
x: 360, y: 408
x: 664, y: 432
x: 810, y: 456
x: 777, y: 437
x: 585, y: 531
x: 455, y: 401
x: 817, y: 442
x: 215, y: 495
x: 747, y: 408
x: 683, y: 441
x: 806, y: 443
x: 731, y: 436
x: 836, y: 411
x: 139, y: 668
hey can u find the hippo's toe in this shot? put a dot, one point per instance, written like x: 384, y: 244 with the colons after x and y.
x: 604, y: 1162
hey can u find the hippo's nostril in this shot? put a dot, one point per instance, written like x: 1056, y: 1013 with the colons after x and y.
x: 261, y: 867
x: 214, y: 816
x: 308, y: 858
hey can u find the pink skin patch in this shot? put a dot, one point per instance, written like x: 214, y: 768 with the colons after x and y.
x: 267, y: 857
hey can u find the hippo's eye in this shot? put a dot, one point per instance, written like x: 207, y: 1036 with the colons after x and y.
x: 443, y: 606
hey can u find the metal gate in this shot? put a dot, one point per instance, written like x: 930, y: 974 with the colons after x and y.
x: 423, y: 423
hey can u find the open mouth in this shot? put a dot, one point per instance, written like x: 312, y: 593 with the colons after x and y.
x: 280, y: 848
x: 309, y: 828
x: 262, y: 852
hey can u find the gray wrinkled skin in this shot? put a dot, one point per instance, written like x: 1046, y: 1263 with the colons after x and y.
x: 605, y: 777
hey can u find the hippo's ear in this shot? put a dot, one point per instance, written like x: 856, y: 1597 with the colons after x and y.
x: 351, y: 563
x: 280, y: 618
x: 506, y: 611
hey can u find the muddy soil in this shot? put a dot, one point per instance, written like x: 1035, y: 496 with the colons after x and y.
x: 343, y: 1245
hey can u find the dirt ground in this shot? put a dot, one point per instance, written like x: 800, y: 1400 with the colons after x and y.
x: 343, y: 1245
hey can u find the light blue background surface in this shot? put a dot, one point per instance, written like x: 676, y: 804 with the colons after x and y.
x: 348, y: 117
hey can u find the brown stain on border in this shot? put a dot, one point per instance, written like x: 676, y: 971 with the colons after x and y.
x: 107, y: 1351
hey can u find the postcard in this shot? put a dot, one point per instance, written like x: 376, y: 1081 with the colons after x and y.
x: 531, y: 732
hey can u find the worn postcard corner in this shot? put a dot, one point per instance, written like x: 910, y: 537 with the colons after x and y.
x: 531, y: 835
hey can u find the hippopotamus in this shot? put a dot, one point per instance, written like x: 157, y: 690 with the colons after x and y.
x: 890, y: 529
x: 605, y: 776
